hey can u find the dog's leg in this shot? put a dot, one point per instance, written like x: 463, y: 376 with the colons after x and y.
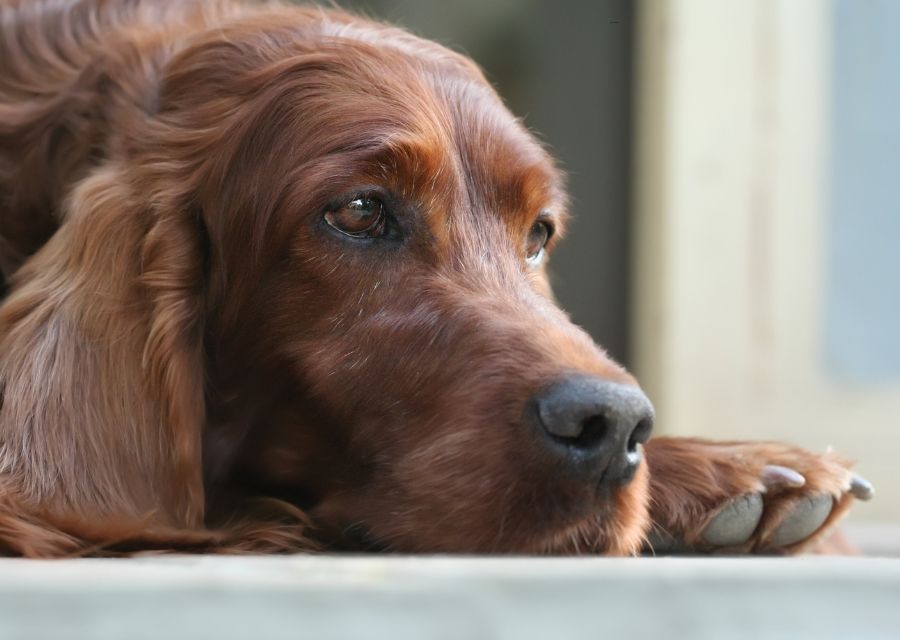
x: 745, y: 497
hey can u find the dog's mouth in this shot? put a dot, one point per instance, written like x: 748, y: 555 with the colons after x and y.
x: 573, y: 538
x: 537, y: 485
x: 567, y: 528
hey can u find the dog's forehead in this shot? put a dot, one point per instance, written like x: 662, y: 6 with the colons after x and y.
x: 452, y: 123
x: 504, y: 167
x: 466, y: 152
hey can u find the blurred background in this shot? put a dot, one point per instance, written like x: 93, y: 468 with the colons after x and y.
x: 735, y: 172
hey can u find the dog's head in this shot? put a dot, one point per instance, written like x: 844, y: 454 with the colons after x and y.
x: 381, y: 343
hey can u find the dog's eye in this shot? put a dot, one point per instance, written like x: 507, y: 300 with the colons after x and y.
x: 362, y: 217
x: 538, y: 235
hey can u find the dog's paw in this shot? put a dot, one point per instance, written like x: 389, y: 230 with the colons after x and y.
x: 749, y: 498
x: 784, y: 514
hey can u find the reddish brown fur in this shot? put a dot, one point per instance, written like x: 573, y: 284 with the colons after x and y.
x: 190, y: 361
x: 691, y: 477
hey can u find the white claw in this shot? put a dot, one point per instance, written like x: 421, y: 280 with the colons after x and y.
x: 861, y: 489
x: 775, y: 476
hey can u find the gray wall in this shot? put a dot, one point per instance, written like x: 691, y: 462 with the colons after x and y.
x: 566, y: 67
x: 863, y: 296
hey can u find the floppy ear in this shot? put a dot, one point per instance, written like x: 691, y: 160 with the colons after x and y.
x: 173, y: 273
x: 101, y: 361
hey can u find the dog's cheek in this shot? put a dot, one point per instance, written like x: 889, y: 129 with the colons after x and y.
x: 445, y: 495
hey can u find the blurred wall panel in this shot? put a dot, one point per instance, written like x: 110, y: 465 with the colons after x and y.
x: 566, y: 68
x: 863, y: 301
x: 734, y: 188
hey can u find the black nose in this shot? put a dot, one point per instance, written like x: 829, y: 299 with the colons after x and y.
x: 596, y: 425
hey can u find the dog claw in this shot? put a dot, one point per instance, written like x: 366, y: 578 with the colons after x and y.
x: 734, y: 524
x: 777, y: 477
x: 807, y: 516
x: 861, y: 489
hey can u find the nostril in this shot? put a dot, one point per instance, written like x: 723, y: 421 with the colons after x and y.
x: 592, y: 432
x: 594, y: 416
x: 640, y: 435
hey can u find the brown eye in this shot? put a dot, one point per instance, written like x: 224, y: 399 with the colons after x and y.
x: 362, y: 217
x: 537, y: 239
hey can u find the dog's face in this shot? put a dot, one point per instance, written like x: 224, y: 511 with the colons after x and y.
x: 382, y: 341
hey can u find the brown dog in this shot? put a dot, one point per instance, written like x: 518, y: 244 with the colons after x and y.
x: 276, y: 281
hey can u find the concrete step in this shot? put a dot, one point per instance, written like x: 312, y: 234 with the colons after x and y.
x: 419, y: 598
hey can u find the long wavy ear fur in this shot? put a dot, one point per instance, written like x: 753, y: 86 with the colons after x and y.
x: 101, y: 365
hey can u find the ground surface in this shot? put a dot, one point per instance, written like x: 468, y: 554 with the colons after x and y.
x: 403, y: 598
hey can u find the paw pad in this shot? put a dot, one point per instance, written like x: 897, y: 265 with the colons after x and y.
x: 734, y: 524
x: 803, y: 520
x: 738, y: 521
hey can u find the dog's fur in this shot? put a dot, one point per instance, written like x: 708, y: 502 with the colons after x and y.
x: 191, y: 359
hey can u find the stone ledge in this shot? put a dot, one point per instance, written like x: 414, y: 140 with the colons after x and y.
x: 418, y: 598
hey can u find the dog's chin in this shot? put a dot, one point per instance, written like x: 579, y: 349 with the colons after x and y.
x: 603, y: 522
x: 614, y: 524
x: 591, y: 536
